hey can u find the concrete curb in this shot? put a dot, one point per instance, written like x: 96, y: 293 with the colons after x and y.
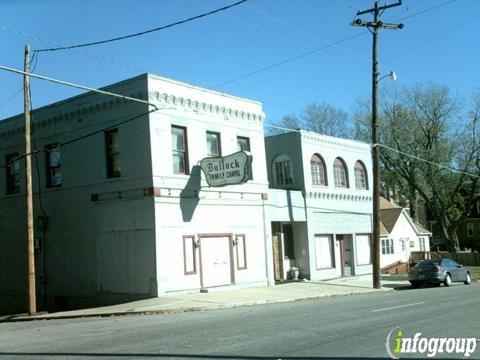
x: 25, y: 318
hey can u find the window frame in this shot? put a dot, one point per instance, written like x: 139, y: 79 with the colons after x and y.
x: 332, y: 252
x: 247, y: 139
x: 370, y: 249
x: 186, y: 162
x: 111, y: 156
x: 189, y: 239
x: 12, y: 179
x: 387, y: 246
x: 339, y: 160
x: 241, y: 238
x: 280, y: 162
x: 360, y: 166
x: 320, y: 163
x: 219, y: 144
x: 48, y: 165
x: 470, y: 230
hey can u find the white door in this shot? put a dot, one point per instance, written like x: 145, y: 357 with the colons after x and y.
x: 216, y: 261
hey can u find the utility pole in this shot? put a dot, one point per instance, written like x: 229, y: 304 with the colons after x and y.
x: 32, y: 296
x: 374, y: 27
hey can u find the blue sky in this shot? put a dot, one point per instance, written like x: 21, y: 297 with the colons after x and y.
x: 440, y: 45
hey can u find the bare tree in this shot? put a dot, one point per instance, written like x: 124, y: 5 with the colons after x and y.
x: 318, y: 117
x: 429, y: 148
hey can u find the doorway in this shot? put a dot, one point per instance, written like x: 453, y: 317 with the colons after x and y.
x: 346, y: 254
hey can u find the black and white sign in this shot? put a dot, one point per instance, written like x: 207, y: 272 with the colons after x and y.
x: 228, y: 170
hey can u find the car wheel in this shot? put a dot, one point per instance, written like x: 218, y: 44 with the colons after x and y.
x: 448, y: 280
x: 468, y: 280
x: 414, y: 284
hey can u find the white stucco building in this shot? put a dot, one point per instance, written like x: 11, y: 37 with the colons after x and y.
x: 122, y: 211
x: 325, y: 221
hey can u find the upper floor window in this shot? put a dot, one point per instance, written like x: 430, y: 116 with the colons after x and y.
x: 340, y: 173
x: 13, y: 173
x: 112, y: 153
x: 470, y: 230
x: 53, y: 163
x: 319, y: 174
x: 213, y: 144
x: 361, y: 182
x: 283, y: 171
x: 243, y: 144
x: 179, y: 150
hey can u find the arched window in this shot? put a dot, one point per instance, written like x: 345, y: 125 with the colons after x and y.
x: 361, y: 182
x: 340, y: 173
x: 282, y: 169
x: 319, y: 174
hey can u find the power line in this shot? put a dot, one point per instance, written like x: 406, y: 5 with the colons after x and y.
x: 302, y: 31
x: 311, y: 52
x: 428, y: 161
x: 124, y: 97
x: 146, y: 31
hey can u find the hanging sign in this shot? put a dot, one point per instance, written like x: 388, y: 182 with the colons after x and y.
x: 227, y: 170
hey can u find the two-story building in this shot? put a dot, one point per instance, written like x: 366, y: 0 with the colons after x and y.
x: 324, y: 224
x: 122, y: 209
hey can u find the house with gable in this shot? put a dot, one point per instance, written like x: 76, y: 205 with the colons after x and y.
x: 399, y: 234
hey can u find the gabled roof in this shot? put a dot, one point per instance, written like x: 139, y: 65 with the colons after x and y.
x: 385, y: 204
x: 383, y: 230
x: 421, y: 230
x: 389, y: 217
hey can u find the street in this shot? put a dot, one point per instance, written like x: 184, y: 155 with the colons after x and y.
x: 337, y: 327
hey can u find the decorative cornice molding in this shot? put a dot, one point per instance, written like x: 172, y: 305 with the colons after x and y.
x: 337, y: 142
x: 190, y: 104
x: 338, y: 196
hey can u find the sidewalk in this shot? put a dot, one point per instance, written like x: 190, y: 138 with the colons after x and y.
x: 227, y: 298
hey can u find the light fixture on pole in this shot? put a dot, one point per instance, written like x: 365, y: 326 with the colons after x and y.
x: 374, y: 27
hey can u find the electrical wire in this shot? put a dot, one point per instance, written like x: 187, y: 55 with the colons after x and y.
x: 428, y: 161
x: 196, y: 17
x: 46, y: 78
x: 302, y: 31
x: 311, y: 52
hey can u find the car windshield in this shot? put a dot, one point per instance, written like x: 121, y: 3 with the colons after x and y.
x: 428, y: 263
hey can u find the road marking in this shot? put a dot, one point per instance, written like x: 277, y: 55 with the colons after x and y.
x: 399, y: 306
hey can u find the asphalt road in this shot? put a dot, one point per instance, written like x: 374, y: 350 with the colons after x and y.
x: 340, y: 327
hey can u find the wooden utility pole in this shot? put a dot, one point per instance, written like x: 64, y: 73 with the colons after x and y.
x: 375, y: 26
x: 32, y: 295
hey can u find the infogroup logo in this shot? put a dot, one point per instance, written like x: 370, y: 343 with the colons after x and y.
x: 397, y: 344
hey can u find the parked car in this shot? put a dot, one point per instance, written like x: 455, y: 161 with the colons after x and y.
x: 437, y: 272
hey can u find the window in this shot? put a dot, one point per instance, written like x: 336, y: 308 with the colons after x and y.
x: 213, y: 144
x: 364, y: 252
x: 112, y: 153
x: 243, y: 144
x: 340, y: 173
x: 470, y: 231
x: 387, y: 247
x: 283, y: 171
x: 360, y: 176
x: 189, y: 255
x: 403, y: 243
x: 421, y: 243
x: 179, y: 150
x: 13, y: 173
x: 324, y: 252
x: 319, y: 174
x: 53, y: 161
x: 241, y: 252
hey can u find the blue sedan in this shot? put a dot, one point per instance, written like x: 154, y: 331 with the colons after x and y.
x: 444, y: 271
